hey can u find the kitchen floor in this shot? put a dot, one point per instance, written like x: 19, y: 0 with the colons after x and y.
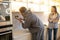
x: 25, y: 35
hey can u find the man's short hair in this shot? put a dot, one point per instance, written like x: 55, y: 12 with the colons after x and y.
x: 22, y: 9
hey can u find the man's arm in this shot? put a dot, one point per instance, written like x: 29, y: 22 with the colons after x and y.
x: 26, y: 23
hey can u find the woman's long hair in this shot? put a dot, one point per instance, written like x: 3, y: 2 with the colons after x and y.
x: 55, y: 9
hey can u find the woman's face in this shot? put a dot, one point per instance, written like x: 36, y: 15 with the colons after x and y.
x: 52, y: 10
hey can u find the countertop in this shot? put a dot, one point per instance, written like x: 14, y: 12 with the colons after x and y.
x: 5, y: 24
x: 21, y: 35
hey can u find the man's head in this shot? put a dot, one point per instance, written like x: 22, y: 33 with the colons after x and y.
x: 22, y: 9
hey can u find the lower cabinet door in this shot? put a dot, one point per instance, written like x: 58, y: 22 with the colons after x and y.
x: 6, y: 36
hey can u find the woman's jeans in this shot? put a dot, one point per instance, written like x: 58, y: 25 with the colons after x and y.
x: 54, y: 33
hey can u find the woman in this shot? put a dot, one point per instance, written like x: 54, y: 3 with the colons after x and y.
x: 53, y: 23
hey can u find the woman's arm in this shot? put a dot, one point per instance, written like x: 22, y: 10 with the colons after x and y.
x: 49, y: 19
x: 57, y: 19
x: 54, y: 21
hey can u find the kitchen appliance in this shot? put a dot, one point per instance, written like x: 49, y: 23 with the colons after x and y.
x: 5, y: 31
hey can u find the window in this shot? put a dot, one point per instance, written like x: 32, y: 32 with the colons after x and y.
x: 16, y: 5
x: 35, y: 5
x: 30, y: 4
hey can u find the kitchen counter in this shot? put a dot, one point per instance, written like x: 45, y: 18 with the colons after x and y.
x: 5, y: 24
x: 21, y: 35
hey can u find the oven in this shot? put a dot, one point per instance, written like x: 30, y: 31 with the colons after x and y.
x: 6, y: 32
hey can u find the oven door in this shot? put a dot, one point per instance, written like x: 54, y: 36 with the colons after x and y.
x: 6, y: 32
x: 6, y: 35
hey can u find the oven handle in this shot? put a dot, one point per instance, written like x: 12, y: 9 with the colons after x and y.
x: 6, y: 32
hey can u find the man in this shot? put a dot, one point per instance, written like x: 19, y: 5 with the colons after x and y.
x: 33, y: 23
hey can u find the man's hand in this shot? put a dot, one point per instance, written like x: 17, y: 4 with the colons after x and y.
x: 20, y: 19
x: 17, y: 17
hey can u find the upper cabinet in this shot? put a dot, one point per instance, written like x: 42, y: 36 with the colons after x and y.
x: 4, y: 10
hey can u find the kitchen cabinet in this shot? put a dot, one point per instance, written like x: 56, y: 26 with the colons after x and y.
x: 7, y: 36
x: 6, y: 31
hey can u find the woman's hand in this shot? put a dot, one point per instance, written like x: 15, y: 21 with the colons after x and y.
x: 55, y: 20
x: 50, y: 20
